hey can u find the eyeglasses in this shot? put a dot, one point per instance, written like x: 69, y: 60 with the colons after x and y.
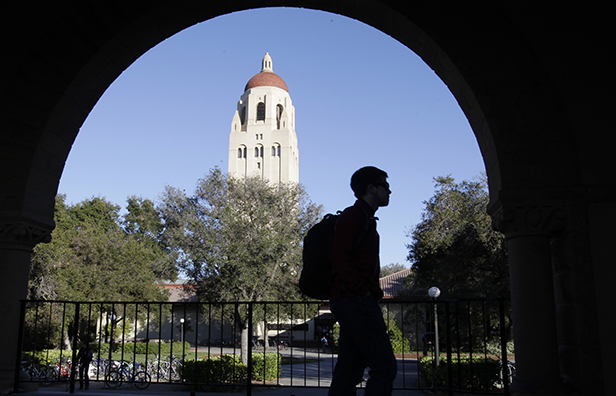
x: 383, y: 184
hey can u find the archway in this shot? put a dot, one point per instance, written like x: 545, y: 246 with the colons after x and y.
x: 507, y: 88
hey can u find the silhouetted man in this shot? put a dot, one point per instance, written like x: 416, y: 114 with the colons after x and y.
x: 356, y: 291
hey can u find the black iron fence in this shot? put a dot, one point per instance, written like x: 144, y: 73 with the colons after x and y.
x: 458, y: 345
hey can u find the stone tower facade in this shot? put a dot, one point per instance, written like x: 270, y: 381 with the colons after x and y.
x: 263, y: 141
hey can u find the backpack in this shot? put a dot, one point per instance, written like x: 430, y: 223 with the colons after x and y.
x: 317, y: 275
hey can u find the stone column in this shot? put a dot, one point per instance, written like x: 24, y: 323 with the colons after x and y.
x: 528, y: 230
x: 17, y: 239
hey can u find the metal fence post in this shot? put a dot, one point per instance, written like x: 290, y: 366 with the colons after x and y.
x: 504, y: 357
x: 75, y: 346
x: 249, y: 353
x: 20, y: 337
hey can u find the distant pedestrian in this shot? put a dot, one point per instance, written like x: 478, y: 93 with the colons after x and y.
x: 84, y: 357
x: 324, y: 343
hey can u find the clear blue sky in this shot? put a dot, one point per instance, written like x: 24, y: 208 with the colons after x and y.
x: 361, y: 98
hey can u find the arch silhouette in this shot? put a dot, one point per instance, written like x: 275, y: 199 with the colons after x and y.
x: 540, y: 126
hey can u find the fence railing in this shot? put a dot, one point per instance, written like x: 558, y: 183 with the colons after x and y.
x: 222, y: 345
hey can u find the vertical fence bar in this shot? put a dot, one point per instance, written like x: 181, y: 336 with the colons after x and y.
x: 22, y: 319
x: 504, y: 356
x: 249, y: 352
x: 75, y: 347
x: 449, y: 360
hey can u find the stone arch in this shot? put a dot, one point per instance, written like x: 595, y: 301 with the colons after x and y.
x: 499, y: 64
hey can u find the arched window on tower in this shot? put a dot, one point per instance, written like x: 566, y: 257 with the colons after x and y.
x: 279, y: 110
x: 261, y: 111
x: 241, y: 152
x: 259, y: 151
x: 243, y: 115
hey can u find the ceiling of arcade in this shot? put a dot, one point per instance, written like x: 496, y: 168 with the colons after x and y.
x: 62, y: 59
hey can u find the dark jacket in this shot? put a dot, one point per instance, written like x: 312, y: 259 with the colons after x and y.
x: 355, y: 253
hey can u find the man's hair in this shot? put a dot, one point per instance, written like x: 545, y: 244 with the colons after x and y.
x: 365, y: 176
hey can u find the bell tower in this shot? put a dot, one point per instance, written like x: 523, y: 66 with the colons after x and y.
x: 263, y: 141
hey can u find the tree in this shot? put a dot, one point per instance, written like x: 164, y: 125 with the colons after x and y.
x: 454, y: 246
x: 390, y: 269
x: 143, y: 222
x: 239, y: 240
x: 90, y: 258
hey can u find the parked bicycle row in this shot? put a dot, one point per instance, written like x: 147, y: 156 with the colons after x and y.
x: 114, y: 373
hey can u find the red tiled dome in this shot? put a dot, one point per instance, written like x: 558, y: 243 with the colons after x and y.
x: 266, y: 79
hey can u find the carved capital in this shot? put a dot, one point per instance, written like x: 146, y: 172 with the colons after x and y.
x: 22, y: 235
x: 516, y: 220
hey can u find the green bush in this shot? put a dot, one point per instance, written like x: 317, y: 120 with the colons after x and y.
x: 225, y: 369
x: 46, y: 356
x: 266, y: 367
x: 399, y: 343
x: 477, y: 374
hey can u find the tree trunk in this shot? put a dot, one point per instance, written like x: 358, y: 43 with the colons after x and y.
x: 245, y: 343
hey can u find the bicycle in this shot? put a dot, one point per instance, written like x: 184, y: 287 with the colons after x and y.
x: 127, y: 372
x: 510, y: 372
x: 36, y: 372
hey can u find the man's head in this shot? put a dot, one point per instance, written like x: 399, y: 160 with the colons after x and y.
x: 370, y: 184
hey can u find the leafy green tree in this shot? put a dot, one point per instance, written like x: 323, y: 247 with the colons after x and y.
x: 90, y: 258
x: 143, y: 222
x: 454, y: 246
x: 239, y: 240
x: 390, y: 269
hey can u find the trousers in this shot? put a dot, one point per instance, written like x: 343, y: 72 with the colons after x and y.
x: 363, y: 343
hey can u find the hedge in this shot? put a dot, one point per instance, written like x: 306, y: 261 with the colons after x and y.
x: 225, y: 369
x: 478, y: 374
x: 229, y: 369
x: 266, y: 367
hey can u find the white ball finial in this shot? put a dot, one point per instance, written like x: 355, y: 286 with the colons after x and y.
x: 434, y: 292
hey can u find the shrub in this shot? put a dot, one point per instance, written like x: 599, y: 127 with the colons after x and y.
x: 225, y: 369
x: 399, y: 343
x: 266, y: 366
x: 477, y: 373
x: 46, y: 356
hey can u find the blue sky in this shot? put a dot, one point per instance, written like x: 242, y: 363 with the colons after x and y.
x: 361, y: 98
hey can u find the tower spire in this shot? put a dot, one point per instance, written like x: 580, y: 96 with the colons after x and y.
x: 266, y: 65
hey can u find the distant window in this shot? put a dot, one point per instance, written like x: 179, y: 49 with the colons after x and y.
x: 279, y: 110
x: 243, y: 115
x: 261, y: 111
x: 256, y: 152
x: 278, y: 148
x: 273, y: 151
x: 239, y: 153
